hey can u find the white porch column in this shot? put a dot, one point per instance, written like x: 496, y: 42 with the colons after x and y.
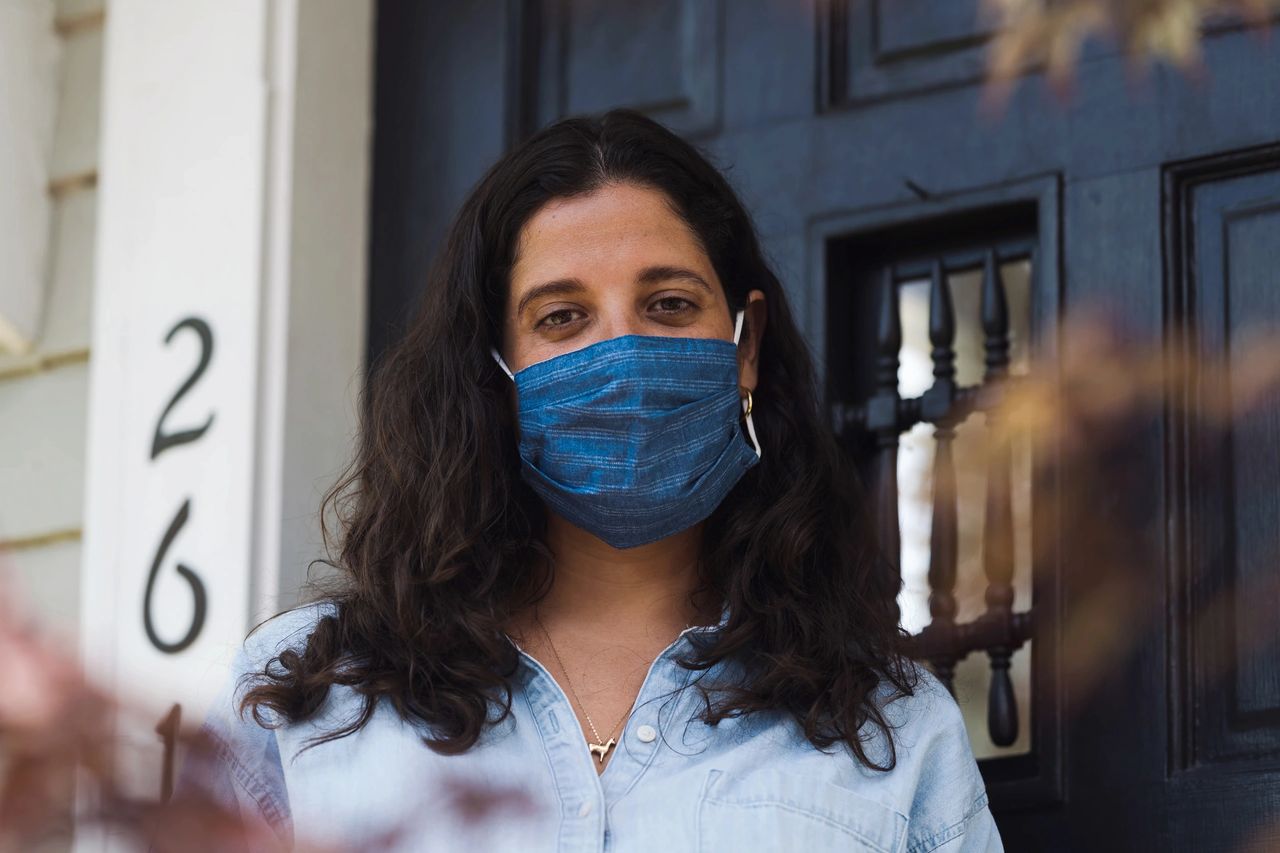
x: 228, y: 329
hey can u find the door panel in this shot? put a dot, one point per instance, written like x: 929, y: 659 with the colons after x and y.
x: 881, y: 49
x: 660, y: 57
x: 1228, y: 210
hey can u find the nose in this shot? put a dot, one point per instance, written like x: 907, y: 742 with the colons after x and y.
x: 618, y: 321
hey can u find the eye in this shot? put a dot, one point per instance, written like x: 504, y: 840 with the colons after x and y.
x: 562, y: 317
x: 673, y: 304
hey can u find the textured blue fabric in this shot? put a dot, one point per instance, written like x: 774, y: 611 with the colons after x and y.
x: 672, y: 784
x: 636, y: 437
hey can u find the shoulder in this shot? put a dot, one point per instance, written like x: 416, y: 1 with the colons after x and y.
x: 926, y: 719
x: 241, y: 770
x: 286, y: 631
x: 945, y: 791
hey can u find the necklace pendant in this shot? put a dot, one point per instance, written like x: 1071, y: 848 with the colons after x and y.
x: 599, y: 750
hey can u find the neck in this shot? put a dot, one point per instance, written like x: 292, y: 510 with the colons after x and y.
x: 624, y: 593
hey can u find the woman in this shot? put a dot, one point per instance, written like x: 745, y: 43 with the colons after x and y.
x: 605, y: 579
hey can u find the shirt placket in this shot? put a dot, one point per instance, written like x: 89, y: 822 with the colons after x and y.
x: 578, y: 788
x: 650, y: 719
x: 585, y: 795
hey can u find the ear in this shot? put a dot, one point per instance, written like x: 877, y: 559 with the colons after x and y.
x: 749, y: 340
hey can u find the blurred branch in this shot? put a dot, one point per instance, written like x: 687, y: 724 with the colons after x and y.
x: 1051, y: 33
x: 58, y: 730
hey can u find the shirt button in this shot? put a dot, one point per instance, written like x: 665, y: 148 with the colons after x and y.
x: 584, y: 809
x: 646, y: 734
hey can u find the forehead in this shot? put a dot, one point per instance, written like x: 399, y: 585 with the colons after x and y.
x: 615, y: 224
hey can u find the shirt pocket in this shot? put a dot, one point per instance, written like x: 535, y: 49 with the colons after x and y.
x: 773, y: 810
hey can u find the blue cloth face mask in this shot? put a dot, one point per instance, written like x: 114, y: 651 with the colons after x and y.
x: 636, y: 437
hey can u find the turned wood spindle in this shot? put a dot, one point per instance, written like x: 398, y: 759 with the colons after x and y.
x: 944, y: 535
x: 882, y: 417
x: 997, y: 537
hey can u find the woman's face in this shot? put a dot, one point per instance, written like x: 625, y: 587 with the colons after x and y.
x: 616, y: 262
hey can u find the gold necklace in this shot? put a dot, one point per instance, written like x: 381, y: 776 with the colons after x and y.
x: 600, y: 748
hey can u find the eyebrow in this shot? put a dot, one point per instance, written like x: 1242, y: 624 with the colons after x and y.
x: 648, y: 275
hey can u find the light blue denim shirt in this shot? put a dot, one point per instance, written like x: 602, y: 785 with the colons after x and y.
x: 672, y: 783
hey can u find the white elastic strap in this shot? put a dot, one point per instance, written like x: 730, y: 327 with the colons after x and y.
x: 502, y: 364
x: 751, y: 427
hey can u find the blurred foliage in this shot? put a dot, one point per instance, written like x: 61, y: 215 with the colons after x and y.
x: 1051, y: 33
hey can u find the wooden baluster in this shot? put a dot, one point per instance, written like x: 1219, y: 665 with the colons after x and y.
x: 944, y: 535
x: 997, y: 536
x: 883, y: 419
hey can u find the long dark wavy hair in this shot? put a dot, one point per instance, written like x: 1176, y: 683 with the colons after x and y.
x: 441, y: 539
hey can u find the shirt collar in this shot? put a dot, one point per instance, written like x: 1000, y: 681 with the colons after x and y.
x: 689, y: 629
x: 709, y: 629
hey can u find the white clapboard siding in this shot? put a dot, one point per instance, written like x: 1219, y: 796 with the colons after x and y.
x: 68, y: 290
x: 44, y: 392
x: 42, y: 452
x: 29, y: 60
x: 46, y: 578
x: 75, y: 141
x: 77, y: 8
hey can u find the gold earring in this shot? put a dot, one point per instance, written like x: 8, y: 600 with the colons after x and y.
x: 747, y: 413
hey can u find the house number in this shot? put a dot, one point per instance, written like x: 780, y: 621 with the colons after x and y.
x: 162, y: 441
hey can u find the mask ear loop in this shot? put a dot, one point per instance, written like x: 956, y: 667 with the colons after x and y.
x: 498, y: 358
x: 746, y: 404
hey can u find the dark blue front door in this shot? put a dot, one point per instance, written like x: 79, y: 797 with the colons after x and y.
x: 854, y: 131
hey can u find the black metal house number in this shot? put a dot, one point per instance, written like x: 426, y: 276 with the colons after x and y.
x: 162, y: 441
